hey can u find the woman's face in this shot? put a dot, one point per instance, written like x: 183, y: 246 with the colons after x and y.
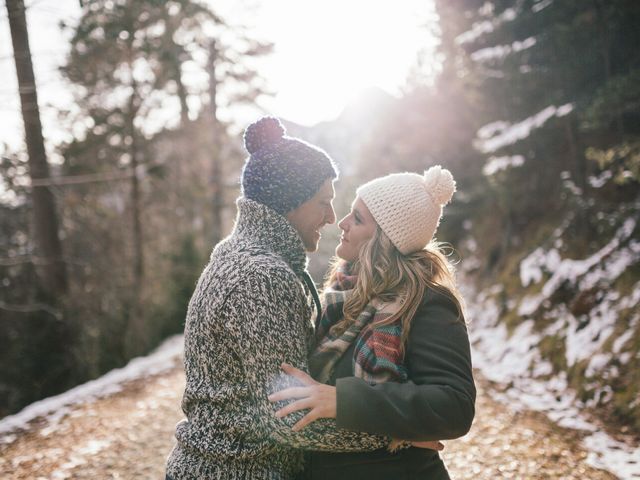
x: 357, y: 227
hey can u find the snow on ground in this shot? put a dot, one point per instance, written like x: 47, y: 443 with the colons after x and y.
x: 55, y: 408
x: 515, y: 359
x: 605, y: 265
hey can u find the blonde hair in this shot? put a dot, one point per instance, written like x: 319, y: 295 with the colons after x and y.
x: 386, y: 274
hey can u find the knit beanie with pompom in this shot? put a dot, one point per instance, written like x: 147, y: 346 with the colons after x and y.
x: 282, y: 172
x: 408, y: 206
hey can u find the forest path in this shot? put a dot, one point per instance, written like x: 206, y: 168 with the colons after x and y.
x: 129, y: 434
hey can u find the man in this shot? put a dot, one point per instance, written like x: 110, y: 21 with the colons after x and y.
x: 251, y: 311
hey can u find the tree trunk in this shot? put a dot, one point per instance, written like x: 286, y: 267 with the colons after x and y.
x: 52, y: 272
x: 182, y: 95
x: 135, y: 342
x: 138, y: 262
x: 216, y: 167
x: 606, y: 59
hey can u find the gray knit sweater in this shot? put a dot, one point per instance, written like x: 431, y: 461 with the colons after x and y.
x: 250, y: 312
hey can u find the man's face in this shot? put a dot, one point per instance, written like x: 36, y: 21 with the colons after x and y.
x: 314, y: 214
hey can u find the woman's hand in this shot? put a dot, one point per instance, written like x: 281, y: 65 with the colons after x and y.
x: 320, y: 399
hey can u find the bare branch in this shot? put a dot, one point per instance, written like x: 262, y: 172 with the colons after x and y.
x: 30, y: 308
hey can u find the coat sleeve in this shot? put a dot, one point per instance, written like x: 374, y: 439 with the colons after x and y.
x: 266, y: 315
x: 437, y: 403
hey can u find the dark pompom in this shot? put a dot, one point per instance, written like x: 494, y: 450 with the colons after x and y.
x: 266, y: 131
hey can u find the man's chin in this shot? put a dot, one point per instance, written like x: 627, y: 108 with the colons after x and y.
x: 311, y: 244
x: 311, y: 248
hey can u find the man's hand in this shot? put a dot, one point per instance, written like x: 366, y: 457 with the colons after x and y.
x: 318, y: 398
x: 432, y: 445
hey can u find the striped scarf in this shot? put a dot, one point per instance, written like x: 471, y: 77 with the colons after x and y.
x: 377, y: 354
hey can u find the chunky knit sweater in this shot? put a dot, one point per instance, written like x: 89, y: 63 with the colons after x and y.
x: 250, y: 312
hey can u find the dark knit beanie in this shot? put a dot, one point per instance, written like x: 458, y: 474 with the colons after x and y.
x: 282, y: 172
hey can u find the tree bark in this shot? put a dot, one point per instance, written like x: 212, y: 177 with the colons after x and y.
x: 182, y: 96
x: 138, y: 262
x: 606, y: 59
x: 52, y: 271
x: 216, y: 167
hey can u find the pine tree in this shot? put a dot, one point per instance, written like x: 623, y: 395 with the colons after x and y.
x: 133, y: 62
x: 548, y: 71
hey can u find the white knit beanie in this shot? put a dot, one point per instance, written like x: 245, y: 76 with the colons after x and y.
x: 408, y: 206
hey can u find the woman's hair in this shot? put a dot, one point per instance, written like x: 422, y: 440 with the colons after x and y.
x: 386, y: 274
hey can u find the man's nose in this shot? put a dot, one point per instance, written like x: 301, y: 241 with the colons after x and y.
x: 330, y: 217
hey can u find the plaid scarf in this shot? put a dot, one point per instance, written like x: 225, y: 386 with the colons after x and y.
x: 376, y: 357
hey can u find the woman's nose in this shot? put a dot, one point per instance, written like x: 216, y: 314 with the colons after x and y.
x: 342, y: 224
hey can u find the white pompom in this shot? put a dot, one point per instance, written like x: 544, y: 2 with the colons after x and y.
x: 439, y: 184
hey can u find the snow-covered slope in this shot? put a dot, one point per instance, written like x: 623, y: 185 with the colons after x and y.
x: 561, y: 335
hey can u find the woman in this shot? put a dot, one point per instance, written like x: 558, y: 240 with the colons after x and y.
x: 392, y: 354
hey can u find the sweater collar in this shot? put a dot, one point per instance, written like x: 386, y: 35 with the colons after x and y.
x: 269, y: 230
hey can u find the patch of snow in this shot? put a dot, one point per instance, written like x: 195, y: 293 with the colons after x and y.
x: 570, y: 270
x: 531, y: 268
x: 490, y: 129
x: 536, y: 7
x: 529, y: 304
x: 611, y: 455
x: 493, y: 352
x: 563, y: 110
x: 512, y: 133
x: 632, y: 300
x: 496, y: 164
x: 625, y: 358
x: 600, y: 180
x: 162, y: 359
x: 480, y: 28
x: 570, y: 185
x: 583, y: 341
x: 556, y: 326
x: 501, y: 51
x: 613, y: 266
x: 542, y: 369
x: 486, y: 9
x: 597, y: 363
x: 489, y: 53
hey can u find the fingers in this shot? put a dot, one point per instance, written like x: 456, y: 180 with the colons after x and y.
x: 289, y: 393
x: 312, y: 416
x: 297, y: 373
x: 294, y: 407
x: 431, y: 445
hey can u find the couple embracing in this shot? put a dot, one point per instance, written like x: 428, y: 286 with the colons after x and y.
x: 361, y: 384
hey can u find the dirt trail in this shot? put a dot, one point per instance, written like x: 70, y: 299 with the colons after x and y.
x: 128, y: 436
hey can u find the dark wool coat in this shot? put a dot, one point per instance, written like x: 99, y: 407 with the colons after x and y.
x: 437, y: 403
x: 250, y: 312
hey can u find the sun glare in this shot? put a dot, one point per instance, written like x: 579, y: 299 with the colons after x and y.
x: 327, y: 52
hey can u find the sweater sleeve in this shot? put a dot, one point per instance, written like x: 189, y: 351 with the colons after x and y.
x: 267, y: 317
x: 437, y: 403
